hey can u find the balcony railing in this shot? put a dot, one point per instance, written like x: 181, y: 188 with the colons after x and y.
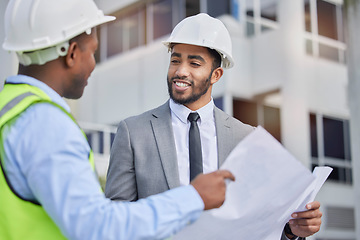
x: 100, y: 138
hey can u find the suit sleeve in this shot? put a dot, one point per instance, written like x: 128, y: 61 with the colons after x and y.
x: 121, y: 178
x: 283, y: 237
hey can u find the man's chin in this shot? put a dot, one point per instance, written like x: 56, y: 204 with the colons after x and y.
x: 183, y: 100
x: 178, y: 101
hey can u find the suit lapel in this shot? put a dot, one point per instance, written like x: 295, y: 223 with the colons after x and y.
x: 164, y: 137
x: 223, y: 133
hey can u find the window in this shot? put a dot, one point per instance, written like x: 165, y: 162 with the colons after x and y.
x: 340, y: 218
x: 145, y: 21
x: 216, y: 8
x: 97, y: 53
x: 330, y: 146
x: 126, y: 32
x: 115, y: 37
x: 271, y: 121
x: 255, y: 114
x: 192, y: 7
x: 162, y: 18
x: 219, y: 102
x: 261, y: 16
x: 100, y: 141
x: 324, y: 30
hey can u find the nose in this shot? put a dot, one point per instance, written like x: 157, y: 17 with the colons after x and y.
x: 182, y: 71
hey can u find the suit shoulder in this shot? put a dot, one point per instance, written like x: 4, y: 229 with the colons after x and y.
x: 240, y: 124
x: 148, y: 115
x: 233, y: 122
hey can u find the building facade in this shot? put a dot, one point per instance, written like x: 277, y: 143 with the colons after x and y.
x: 290, y: 76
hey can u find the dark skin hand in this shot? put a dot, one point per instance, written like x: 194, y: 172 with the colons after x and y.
x: 211, y: 187
x: 308, y: 222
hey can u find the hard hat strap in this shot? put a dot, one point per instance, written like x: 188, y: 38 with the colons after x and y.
x: 43, y: 56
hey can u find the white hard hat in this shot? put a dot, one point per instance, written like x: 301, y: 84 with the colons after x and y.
x: 203, y: 30
x: 44, y: 27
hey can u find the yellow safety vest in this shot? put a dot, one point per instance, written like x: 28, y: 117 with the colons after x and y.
x: 22, y: 219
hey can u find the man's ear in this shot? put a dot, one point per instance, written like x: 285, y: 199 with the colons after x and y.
x: 71, y: 55
x: 216, y: 75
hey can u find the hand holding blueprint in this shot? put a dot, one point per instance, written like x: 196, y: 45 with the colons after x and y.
x: 270, y: 185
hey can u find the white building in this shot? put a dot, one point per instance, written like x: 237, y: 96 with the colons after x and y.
x: 290, y: 76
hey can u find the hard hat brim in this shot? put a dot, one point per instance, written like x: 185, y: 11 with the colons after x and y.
x: 226, y: 60
x: 29, y: 48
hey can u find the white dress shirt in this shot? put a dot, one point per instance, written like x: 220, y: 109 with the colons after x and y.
x: 181, y: 126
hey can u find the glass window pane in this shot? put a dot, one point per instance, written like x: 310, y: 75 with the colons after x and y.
x: 340, y: 24
x: 340, y: 174
x: 307, y: 16
x: 89, y: 139
x: 115, y: 36
x: 135, y: 27
x: 101, y: 141
x: 328, y: 52
x: 192, y: 7
x: 235, y: 9
x: 327, y: 24
x: 272, y: 121
x: 313, y: 136
x: 97, y: 53
x: 162, y: 14
x: 348, y: 175
x: 347, y: 140
x: 334, y: 175
x: 250, y: 29
x: 265, y: 28
x: 269, y: 9
x: 216, y: 8
x: 245, y: 112
x: 112, y: 138
x: 333, y: 138
x: 250, y: 8
x: 309, y: 47
x: 219, y: 102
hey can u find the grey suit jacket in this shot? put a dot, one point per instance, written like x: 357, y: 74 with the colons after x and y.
x: 143, y: 158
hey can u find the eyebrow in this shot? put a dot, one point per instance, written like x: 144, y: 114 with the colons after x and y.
x: 197, y: 57
x: 175, y: 54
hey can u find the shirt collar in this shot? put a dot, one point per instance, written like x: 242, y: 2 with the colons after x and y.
x: 55, y: 97
x: 182, y: 112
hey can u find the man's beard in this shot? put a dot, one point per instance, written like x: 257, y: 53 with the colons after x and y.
x: 203, y: 87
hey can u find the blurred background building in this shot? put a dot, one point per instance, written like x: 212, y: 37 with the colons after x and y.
x: 290, y: 76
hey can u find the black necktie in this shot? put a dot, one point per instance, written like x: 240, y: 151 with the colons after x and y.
x: 195, y: 155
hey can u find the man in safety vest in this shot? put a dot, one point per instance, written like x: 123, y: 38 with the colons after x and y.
x: 47, y: 185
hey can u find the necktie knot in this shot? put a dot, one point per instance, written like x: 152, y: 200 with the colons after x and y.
x: 194, y: 116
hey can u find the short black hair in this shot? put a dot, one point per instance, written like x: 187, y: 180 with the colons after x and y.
x: 217, y: 58
x: 82, y: 38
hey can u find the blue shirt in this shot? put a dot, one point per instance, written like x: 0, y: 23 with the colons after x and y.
x: 47, y: 162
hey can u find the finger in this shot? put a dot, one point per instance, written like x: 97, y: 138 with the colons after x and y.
x: 307, y: 214
x: 309, y: 230
x: 313, y: 205
x: 305, y: 222
x: 226, y: 174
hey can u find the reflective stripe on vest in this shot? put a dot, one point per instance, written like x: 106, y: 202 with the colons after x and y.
x: 23, y: 219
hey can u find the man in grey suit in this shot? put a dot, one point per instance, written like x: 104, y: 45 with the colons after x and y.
x: 150, y: 153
